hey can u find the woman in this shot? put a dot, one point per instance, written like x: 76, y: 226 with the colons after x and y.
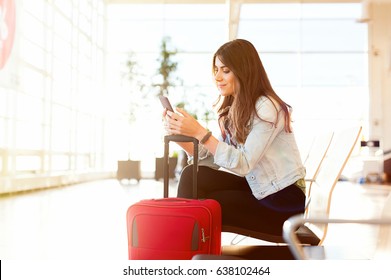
x: 264, y: 184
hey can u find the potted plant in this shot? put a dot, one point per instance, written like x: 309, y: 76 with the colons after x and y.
x: 172, y: 163
x: 167, y: 66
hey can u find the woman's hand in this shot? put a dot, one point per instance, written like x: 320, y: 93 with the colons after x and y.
x: 183, y: 123
x: 165, y: 121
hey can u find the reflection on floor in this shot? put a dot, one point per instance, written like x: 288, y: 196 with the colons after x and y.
x: 87, y: 221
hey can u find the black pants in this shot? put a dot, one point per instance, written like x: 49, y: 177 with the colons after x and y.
x: 239, y: 206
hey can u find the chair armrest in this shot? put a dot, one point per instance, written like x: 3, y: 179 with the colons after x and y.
x: 307, y: 202
x: 294, y: 222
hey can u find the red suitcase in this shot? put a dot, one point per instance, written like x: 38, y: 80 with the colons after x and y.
x: 174, y: 228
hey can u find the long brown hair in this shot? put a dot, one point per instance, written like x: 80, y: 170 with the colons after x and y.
x: 241, y: 57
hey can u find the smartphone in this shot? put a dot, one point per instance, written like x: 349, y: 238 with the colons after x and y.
x: 166, y: 103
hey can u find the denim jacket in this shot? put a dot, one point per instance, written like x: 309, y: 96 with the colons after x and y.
x: 269, y: 158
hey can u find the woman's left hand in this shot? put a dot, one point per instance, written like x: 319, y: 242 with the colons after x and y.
x: 184, y: 124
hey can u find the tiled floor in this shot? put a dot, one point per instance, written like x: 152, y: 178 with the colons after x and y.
x: 87, y: 221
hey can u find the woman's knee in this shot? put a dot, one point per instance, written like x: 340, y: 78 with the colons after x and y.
x: 185, y: 184
x: 187, y: 171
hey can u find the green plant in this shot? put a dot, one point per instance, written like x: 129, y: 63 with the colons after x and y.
x: 174, y: 154
x: 167, y: 66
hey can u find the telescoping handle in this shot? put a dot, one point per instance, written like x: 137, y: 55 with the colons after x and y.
x: 180, y: 138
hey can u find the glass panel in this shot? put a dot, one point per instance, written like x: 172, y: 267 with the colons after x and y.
x: 195, y: 69
x: 344, y: 69
x: 28, y: 163
x: 65, y: 6
x: 3, y: 103
x: 61, y: 82
x: 271, y: 35
x: 32, y: 54
x: 61, y: 127
x: 28, y: 135
x: 282, y: 69
x: 36, y: 8
x: 85, y: 24
x: 307, y: 111
x: 33, y: 29
x: 101, y: 32
x: 85, y: 45
x: 62, y: 27
x: 82, y: 162
x: 61, y: 92
x: 136, y: 11
x: 208, y: 40
x: 60, y: 162
x: 2, y: 136
x: 139, y: 36
x: 85, y: 17
x: 32, y: 82
x: 84, y: 135
x: 85, y: 97
x: 195, y: 11
x: 29, y: 108
x: 85, y: 66
x: 331, y: 11
x: 333, y: 35
x: 62, y: 49
x: 147, y: 66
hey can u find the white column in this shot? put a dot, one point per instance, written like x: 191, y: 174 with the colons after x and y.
x: 233, y: 7
x: 379, y: 28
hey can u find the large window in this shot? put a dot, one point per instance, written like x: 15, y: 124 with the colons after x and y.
x: 50, y: 90
x: 317, y: 59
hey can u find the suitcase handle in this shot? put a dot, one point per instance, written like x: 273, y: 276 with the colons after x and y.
x: 175, y: 199
x: 180, y: 138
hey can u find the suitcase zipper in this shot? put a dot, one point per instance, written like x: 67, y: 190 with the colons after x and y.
x: 203, y: 237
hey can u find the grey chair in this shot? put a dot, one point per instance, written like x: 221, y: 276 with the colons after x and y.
x: 381, y: 238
